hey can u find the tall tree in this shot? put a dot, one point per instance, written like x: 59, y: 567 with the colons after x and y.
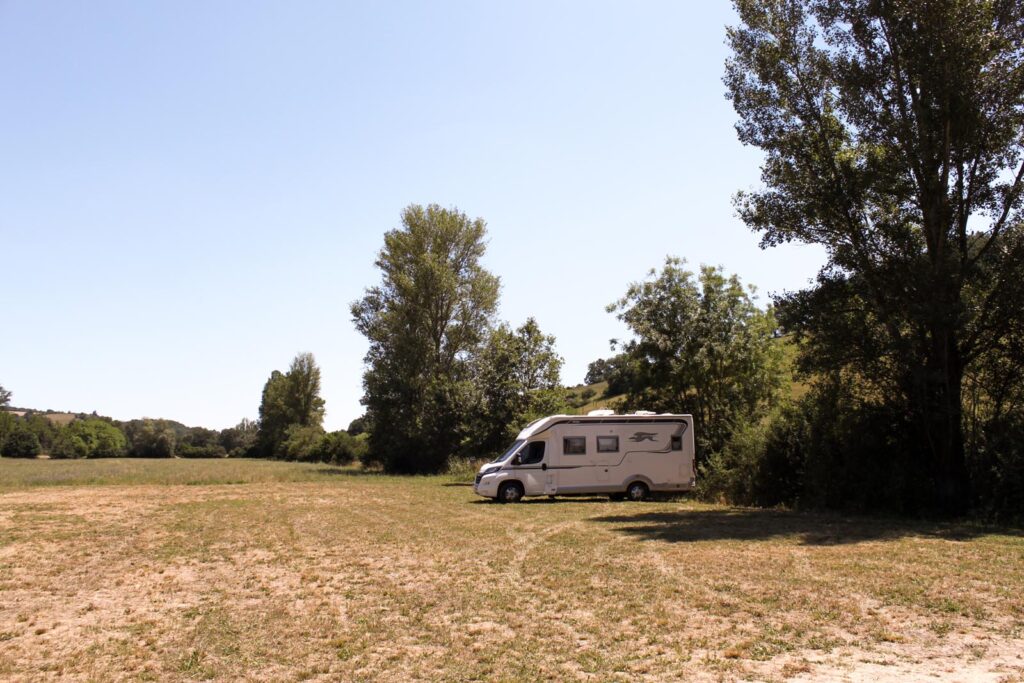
x: 518, y: 377
x: 892, y: 132
x: 430, y: 313
x: 702, y: 346
x: 302, y: 392
x: 290, y: 399
x: 5, y: 397
x: 274, y: 415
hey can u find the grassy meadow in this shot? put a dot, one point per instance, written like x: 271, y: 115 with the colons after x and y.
x: 234, y: 569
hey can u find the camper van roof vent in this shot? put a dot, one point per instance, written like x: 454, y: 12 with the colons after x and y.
x: 601, y: 413
x: 645, y: 412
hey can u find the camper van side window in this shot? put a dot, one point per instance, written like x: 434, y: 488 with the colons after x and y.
x: 677, y: 443
x: 574, y: 445
x: 607, y: 444
x: 533, y: 453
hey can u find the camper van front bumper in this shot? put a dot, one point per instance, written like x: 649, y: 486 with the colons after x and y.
x: 486, y: 485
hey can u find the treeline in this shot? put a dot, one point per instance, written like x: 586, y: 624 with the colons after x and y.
x: 38, y: 433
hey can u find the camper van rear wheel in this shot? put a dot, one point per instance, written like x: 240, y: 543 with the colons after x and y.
x: 510, y: 492
x: 637, y: 491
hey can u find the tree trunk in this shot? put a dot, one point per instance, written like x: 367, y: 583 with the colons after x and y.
x: 942, y: 413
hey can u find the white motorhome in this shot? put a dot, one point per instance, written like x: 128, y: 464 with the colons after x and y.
x: 621, y: 455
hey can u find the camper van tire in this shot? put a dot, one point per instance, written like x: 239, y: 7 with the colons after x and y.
x: 510, y: 492
x: 637, y: 491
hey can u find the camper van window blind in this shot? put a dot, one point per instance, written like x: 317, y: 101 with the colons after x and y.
x: 607, y: 444
x: 574, y: 445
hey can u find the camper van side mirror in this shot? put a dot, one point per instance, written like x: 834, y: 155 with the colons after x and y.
x: 517, y: 460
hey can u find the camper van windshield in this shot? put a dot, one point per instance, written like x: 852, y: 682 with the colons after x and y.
x: 511, y: 449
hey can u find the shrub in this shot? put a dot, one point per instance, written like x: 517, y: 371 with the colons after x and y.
x: 997, y: 469
x: 339, y: 448
x: 212, y: 450
x: 829, y: 450
x: 68, y: 446
x: 21, y: 443
x: 301, y: 442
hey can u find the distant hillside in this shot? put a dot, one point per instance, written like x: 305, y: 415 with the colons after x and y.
x: 586, y: 397
x: 54, y: 416
x: 65, y: 418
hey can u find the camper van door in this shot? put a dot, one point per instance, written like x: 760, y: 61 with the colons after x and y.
x: 532, y: 467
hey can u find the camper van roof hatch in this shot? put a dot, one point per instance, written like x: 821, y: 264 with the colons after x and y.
x: 603, y: 412
x: 644, y: 412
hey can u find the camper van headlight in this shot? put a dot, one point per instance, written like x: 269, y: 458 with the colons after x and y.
x: 493, y: 470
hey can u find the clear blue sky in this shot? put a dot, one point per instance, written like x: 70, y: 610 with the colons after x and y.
x: 193, y: 192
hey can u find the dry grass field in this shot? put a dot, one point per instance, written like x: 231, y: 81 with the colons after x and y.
x: 231, y: 570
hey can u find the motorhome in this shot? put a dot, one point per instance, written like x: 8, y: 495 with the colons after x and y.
x: 624, y: 456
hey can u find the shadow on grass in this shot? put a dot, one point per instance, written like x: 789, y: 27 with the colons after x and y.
x: 688, y: 526
x: 561, y: 500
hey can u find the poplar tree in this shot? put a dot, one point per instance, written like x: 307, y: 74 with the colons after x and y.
x: 424, y: 321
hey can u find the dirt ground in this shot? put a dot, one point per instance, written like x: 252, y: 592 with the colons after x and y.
x: 377, y: 578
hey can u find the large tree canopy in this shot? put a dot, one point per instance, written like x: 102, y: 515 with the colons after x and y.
x: 702, y: 346
x: 892, y: 132
x: 518, y: 376
x: 431, y: 311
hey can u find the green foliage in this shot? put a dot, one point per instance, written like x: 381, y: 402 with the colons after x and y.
x: 21, y: 442
x: 7, y: 422
x: 45, y: 430
x: 997, y: 469
x: 424, y: 322
x: 619, y: 371
x: 200, y: 442
x: 301, y: 441
x: 90, y: 438
x: 703, y: 347
x: 153, y: 438
x: 338, y: 448
x: 240, y: 441
x: 517, y: 376
x: 69, y: 446
x: 892, y: 136
x: 357, y: 426
x: 5, y: 397
x: 830, y: 449
x: 289, y: 399
x: 598, y: 371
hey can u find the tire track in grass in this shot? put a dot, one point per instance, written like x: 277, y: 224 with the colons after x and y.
x: 527, y: 543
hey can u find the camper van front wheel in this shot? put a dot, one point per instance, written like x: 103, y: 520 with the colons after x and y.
x: 637, y: 491
x: 510, y: 492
